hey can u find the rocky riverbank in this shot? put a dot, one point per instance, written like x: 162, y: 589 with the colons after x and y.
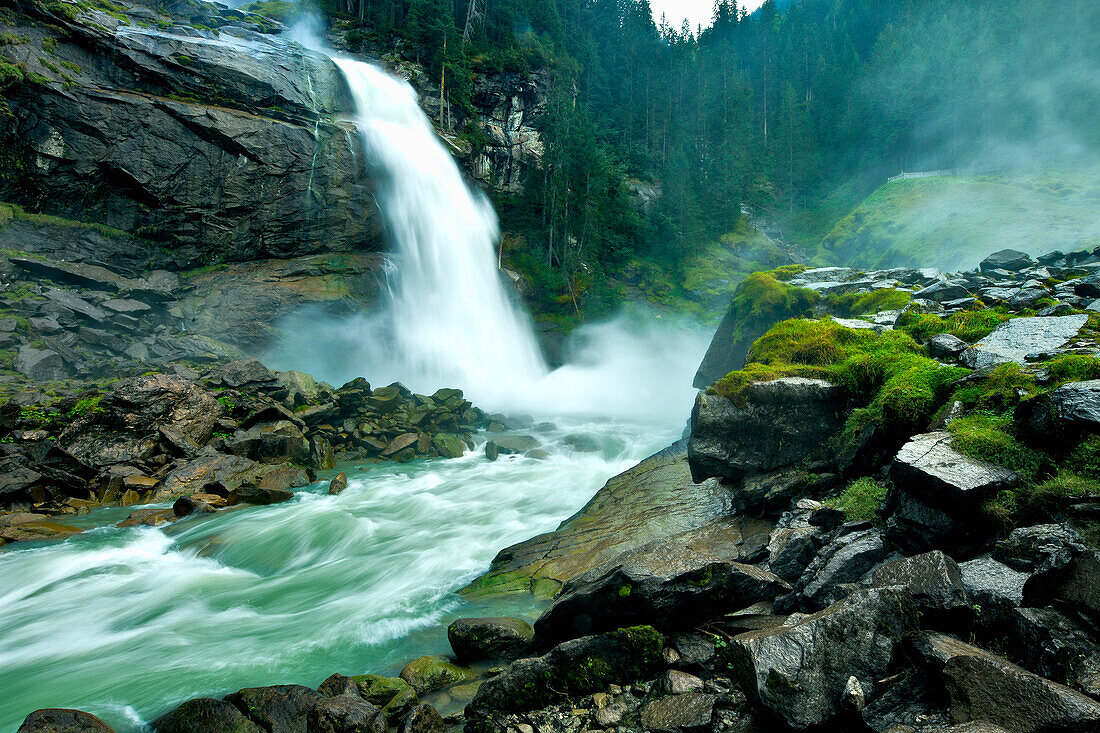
x: 234, y: 433
x: 895, y: 530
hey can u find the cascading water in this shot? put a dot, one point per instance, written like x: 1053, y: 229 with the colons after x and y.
x: 450, y: 321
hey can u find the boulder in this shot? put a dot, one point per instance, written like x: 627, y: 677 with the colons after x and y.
x: 474, y: 639
x: 229, y: 472
x: 1049, y: 643
x: 946, y: 347
x: 421, y: 719
x: 279, y: 708
x: 205, y: 715
x: 345, y: 714
x: 186, y: 505
x: 243, y: 372
x: 60, y: 720
x: 1007, y: 259
x: 125, y: 427
x: 338, y: 684
x: 994, y: 588
x: 937, y: 496
x: 380, y: 690
x: 983, y: 687
x: 667, y: 584
x: 675, y: 682
x: 1014, y: 340
x: 838, y: 565
x: 691, y: 711
x: 41, y: 365
x: 773, y: 425
x: 933, y: 580
x: 260, y: 496
x: 573, y: 669
x: 942, y: 291
x: 338, y: 483
x: 800, y: 672
x: 1078, y: 403
x: 431, y: 673
x: 278, y: 442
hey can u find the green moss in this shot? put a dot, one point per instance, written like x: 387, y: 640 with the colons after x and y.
x: 86, y: 406
x: 7, y: 359
x: 999, y: 390
x: 786, y: 273
x: 858, y: 304
x: 34, y: 414
x: 49, y: 45
x: 861, y: 500
x: 15, y: 212
x: 1073, y: 368
x: 888, y: 372
x: 13, y: 39
x: 991, y: 438
x: 970, y: 326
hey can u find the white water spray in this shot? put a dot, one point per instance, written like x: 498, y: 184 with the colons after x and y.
x: 450, y: 321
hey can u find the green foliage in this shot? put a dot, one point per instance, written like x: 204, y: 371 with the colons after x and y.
x: 86, y: 406
x: 49, y: 45
x: 34, y: 414
x: 858, y: 304
x: 998, y: 390
x: 861, y: 500
x: 970, y: 326
x: 888, y: 372
x: 1073, y: 368
x: 227, y: 401
x: 280, y: 10
x: 991, y: 437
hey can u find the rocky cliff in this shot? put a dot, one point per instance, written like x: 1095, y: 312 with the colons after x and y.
x: 188, y: 126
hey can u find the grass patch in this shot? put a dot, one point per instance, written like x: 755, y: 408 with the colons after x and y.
x: 970, y: 326
x: 861, y: 500
x: 991, y: 438
x: 859, y: 304
x: 999, y: 390
x: 88, y: 406
x: 9, y: 212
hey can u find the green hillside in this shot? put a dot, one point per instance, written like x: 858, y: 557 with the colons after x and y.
x: 953, y: 222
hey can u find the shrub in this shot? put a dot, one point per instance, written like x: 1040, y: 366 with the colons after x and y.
x: 860, y: 500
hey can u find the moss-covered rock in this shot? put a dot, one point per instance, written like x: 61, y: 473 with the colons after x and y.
x: 430, y: 673
x: 380, y: 690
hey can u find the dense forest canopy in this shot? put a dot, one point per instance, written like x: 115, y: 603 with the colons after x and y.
x: 798, y: 109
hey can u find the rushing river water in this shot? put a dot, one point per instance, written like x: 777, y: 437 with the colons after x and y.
x: 125, y: 622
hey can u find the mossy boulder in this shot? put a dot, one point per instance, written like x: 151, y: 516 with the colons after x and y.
x: 380, y: 690
x: 573, y: 669
x: 430, y: 673
x: 205, y: 715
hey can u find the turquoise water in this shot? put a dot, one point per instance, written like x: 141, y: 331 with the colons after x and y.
x: 125, y: 623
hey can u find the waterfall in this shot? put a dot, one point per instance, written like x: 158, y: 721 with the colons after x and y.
x: 449, y: 320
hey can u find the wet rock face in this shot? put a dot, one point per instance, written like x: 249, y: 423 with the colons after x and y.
x: 473, y: 639
x: 666, y: 584
x: 1015, y: 340
x: 213, y: 146
x: 780, y: 423
x: 58, y: 720
x: 203, y: 715
x: 799, y: 673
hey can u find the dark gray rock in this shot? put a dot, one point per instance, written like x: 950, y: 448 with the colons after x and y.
x: 421, y: 719
x: 76, y: 304
x: 944, y: 346
x: 261, y: 496
x: 279, y: 442
x: 839, y: 564
x: 338, y: 684
x: 777, y: 424
x: 1049, y: 643
x: 799, y: 672
x: 575, y: 668
x: 1015, y: 340
x: 910, y: 704
x: 1026, y: 298
x: 474, y: 639
x: 666, y: 584
x: 41, y: 365
x: 933, y: 580
x: 994, y: 588
x: 690, y: 711
x: 345, y: 714
x: 986, y: 688
x: 279, y: 708
x: 60, y: 720
x: 1078, y: 403
x: 1007, y: 259
x: 126, y: 426
x: 244, y: 372
x: 791, y: 550
x: 205, y: 715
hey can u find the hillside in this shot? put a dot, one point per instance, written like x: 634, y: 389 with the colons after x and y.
x: 950, y: 222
